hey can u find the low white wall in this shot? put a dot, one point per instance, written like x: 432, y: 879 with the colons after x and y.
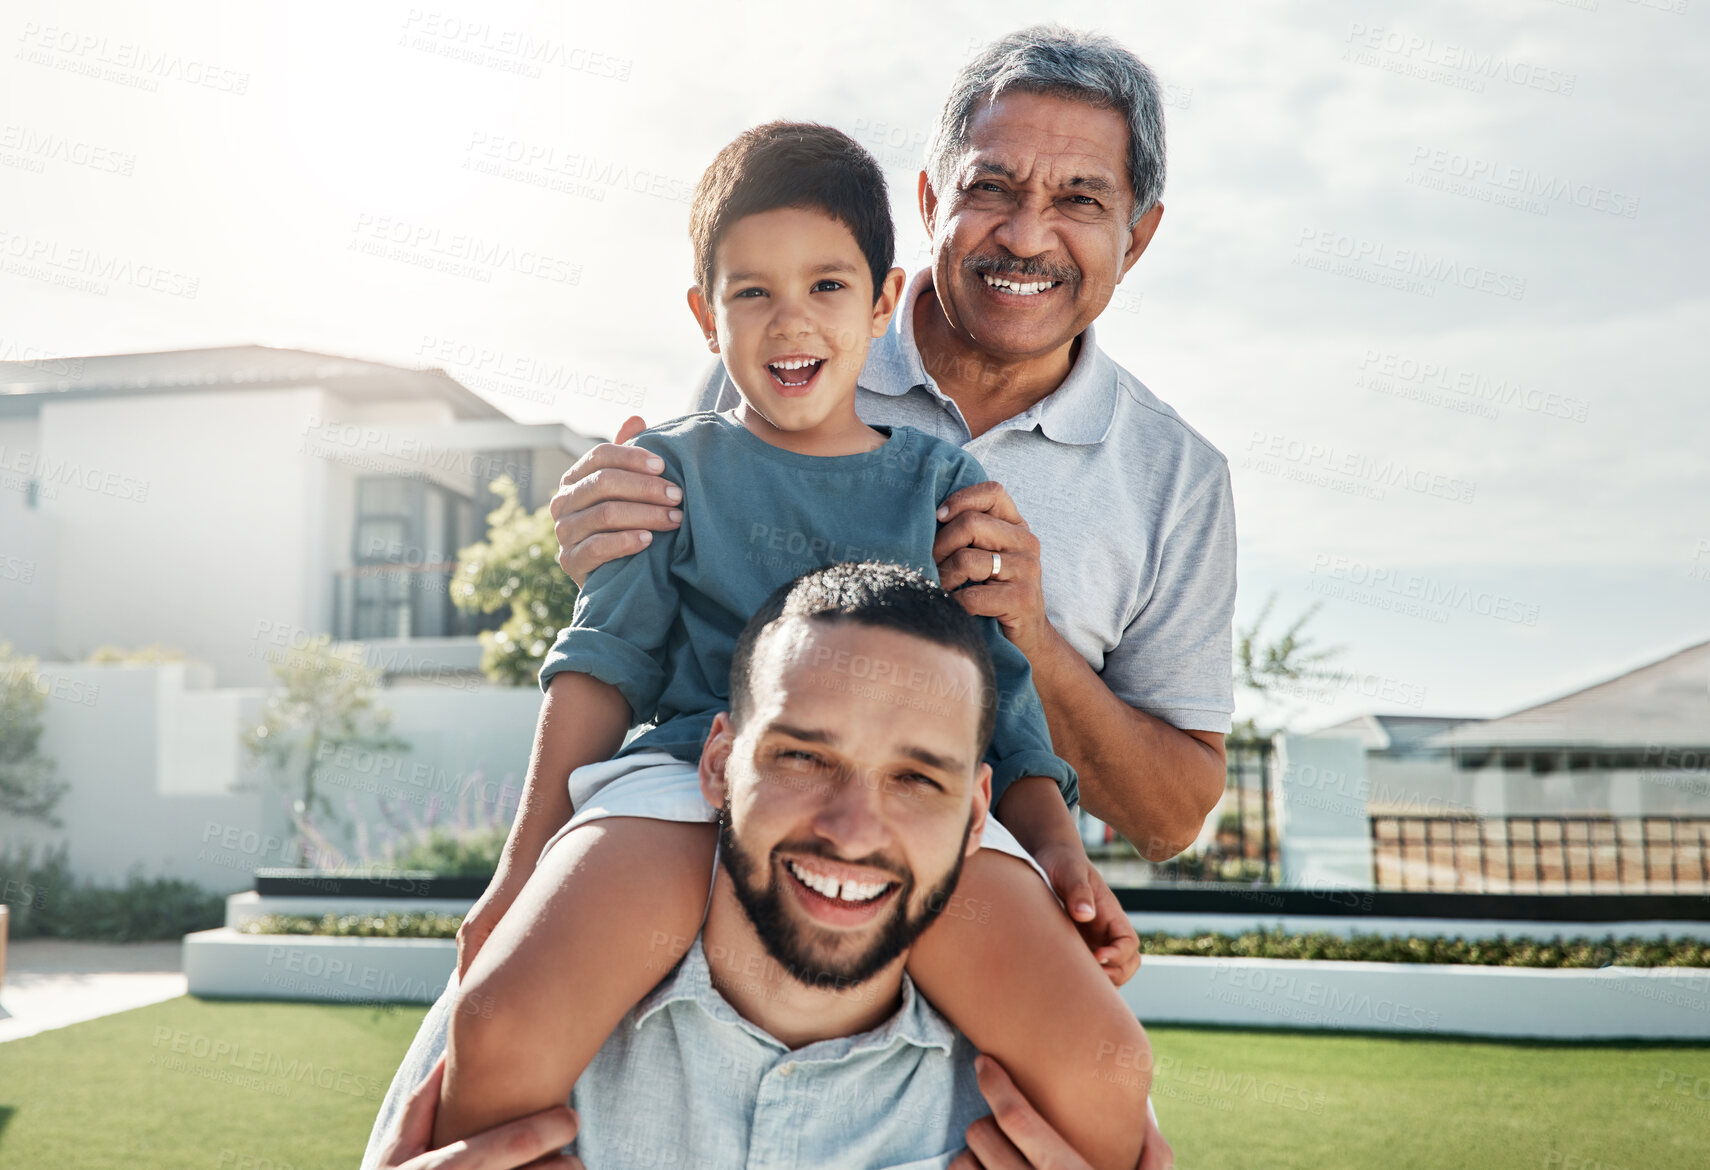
x: 1612, y: 1003
x: 159, y: 781
x: 226, y: 964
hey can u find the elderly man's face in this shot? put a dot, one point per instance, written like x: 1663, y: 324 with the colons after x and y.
x: 851, y: 793
x: 1032, y: 237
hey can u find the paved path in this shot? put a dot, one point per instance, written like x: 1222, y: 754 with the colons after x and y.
x: 50, y: 983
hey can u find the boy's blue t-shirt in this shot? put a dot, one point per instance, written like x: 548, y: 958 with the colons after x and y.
x: 661, y: 625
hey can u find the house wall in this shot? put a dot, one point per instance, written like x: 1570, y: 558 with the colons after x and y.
x: 1622, y: 792
x: 159, y: 783
x: 28, y: 546
x: 150, y: 764
x: 188, y: 519
x: 1423, y: 784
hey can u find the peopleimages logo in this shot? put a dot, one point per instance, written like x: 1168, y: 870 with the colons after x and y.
x: 1430, y: 591
x: 1268, y: 452
x: 1405, y: 376
x: 1328, y: 247
x: 1429, y: 58
x: 1526, y: 185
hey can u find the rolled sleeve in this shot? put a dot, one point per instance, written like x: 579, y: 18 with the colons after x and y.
x: 633, y: 671
x: 1176, y: 658
x: 623, y: 619
x: 1036, y: 763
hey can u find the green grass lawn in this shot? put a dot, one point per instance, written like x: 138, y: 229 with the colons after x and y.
x: 265, y: 1086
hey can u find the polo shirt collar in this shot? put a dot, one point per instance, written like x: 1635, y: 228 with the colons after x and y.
x: 1080, y: 411
x: 915, y: 1022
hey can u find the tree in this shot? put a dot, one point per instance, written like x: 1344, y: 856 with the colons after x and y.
x: 1269, y: 669
x: 516, y: 566
x: 325, y: 702
x: 28, y: 787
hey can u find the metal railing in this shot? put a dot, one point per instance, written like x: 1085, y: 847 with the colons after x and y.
x: 1542, y: 854
x: 383, y: 601
x: 1244, y: 848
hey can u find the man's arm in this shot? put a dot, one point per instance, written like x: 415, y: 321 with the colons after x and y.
x: 1153, y: 782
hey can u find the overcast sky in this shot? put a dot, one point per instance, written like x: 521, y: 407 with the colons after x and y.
x: 1430, y: 275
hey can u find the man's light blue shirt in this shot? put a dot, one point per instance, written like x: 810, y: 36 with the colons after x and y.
x: 687, y: 1082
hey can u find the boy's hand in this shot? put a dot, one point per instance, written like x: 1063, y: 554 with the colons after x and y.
x: 1103, y: 924
x: 608, y: 502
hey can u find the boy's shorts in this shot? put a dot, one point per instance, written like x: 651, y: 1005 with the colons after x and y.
x: 661, y: 787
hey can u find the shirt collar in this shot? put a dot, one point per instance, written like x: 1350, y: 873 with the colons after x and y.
x: 1080, y: 411
x: 916, y: 1022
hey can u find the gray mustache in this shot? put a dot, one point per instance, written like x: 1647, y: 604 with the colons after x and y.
x: 1015, y: 268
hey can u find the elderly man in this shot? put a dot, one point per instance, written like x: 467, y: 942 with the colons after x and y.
x: 787, y: 1033
x: 1106, y: 544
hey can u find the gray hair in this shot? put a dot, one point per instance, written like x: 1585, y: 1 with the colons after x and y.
x: 1050, y: 59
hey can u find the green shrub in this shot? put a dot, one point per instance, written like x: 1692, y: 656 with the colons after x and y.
x: 47, y: 902
x: 454, y: 853
x: 414, y: 925
x: 1497, y: 952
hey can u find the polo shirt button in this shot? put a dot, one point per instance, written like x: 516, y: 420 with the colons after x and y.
x: 787, y: 1070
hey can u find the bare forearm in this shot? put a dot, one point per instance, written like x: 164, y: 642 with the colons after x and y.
x: 1032, y: 809
x: 1152, y: 782
x: 582, y: 721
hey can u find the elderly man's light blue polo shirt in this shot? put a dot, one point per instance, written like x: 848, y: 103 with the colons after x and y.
x: 1132, y: 508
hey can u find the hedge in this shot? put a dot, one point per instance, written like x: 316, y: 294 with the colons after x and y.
x: 413, y: 925
x: 1257, y: 944
x: 1497, y: 952
x: 47, y: 902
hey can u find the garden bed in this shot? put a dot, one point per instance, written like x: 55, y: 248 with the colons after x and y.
x: 1554, y: 952
x: 1581, y: 952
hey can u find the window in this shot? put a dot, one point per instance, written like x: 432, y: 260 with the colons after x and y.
x: 403, y: 552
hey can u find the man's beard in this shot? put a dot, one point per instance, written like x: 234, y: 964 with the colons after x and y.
x: 787, y: 941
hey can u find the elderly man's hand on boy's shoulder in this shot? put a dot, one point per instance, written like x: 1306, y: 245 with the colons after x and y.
x: 989, y: 557
x: 610, y: 503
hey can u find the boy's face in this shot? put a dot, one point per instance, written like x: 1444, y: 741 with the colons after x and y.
x: 792, y: 313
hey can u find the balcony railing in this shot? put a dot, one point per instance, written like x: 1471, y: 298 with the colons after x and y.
x: 401, y: 601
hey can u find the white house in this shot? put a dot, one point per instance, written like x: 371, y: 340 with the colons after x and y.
x: 212, y: 499
x: 233, y: 503
x: 1637, y: 744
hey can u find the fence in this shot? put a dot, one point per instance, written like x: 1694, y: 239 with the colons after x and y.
x: 1244, y: 848
x: 1554, y: 854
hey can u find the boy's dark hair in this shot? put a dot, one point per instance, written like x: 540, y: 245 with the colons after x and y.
x: 793, y: 164
x: 884, y: 596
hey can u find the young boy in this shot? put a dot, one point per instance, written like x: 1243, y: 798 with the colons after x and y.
x: 793, y: 279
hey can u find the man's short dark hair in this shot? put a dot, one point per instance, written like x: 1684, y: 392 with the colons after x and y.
x: 883, y: 596
x: 793, y: 164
